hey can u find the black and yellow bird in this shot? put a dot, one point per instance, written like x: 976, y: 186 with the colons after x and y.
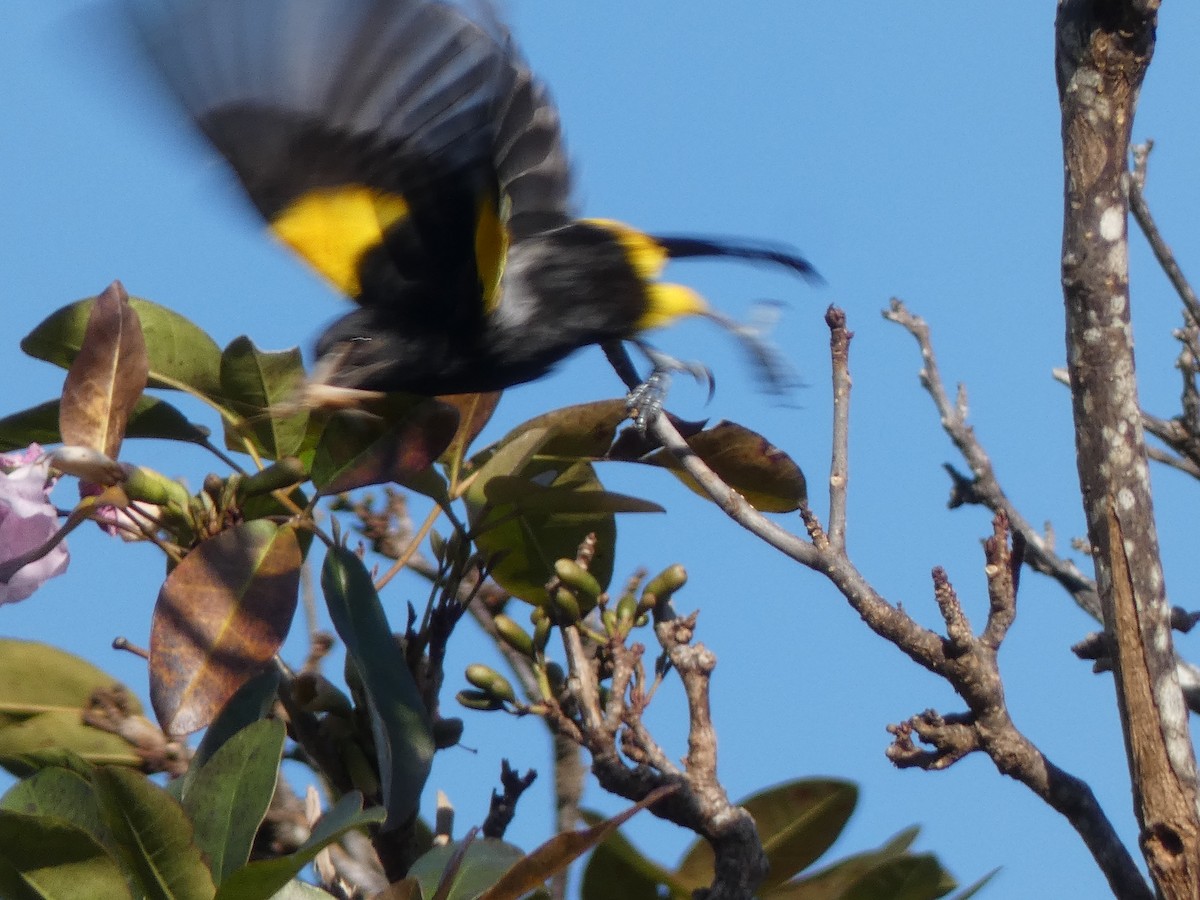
x: 406, y: 151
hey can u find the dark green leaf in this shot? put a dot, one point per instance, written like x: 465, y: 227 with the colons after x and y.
x: 46, y: 858
x: 229, y: 795
x: 253, y: 701
x: 527, y: 496
x: 256, y: 385
x: 797, y: 822
x: 59, y: 794
x: 181, y: 355
x: 153, y: 836
x: 399, y: 720
x: 618, y: 869
x: 904, y: 878
x: 261, y: 879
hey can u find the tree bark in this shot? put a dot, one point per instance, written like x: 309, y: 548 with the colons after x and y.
x: 1103, y: 49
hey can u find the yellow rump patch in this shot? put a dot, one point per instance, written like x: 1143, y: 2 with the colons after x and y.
x: 665, y: 302
x: 333, y: 228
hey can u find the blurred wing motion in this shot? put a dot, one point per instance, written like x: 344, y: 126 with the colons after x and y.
x: 405, y: 151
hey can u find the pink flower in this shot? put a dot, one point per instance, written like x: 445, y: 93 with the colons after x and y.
x: 27, y: 521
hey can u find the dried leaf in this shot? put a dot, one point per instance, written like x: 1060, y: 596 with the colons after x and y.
x: 220, y: 617
x: 107, y: 376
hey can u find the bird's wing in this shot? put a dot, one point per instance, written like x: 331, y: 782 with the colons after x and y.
x: 397, y: 145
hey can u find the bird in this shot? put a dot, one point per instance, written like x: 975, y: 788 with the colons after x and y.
x: 405, y: 150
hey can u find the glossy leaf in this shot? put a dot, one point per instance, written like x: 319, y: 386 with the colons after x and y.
x: 761, y: 472
x: 256, y: 385
x: 47, y: 857
x: 586, y: 430
x: 399, y: 720
x: 528, y: 496
x: 560, y: 851
x: 153, y: 837
x: 107, y: 376
x: 220, y: 618
x: 526, y: 542
x: 43, y: 692
x: 481, y: 866
x: 797, y: 822
x: 260, y: 880
x: 396, y: 441
x: 181, y: 355
x: 230, y: 793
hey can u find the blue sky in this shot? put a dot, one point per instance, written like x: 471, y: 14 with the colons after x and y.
x: 908, y: 150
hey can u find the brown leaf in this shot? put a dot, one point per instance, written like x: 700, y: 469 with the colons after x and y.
x: 220, y: 618
x: 107, y: 376
x: 762, y: 473
x: 562, y: 850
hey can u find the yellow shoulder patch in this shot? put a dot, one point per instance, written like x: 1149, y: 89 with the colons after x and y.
x: 664, y: 302
x: 491, y: 250
x: 333, y: 228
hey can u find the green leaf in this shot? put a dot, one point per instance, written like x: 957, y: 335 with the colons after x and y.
x: 618, y: 868
x: 484, y: 862
x: 59, y: 794
x: 584, y: 431
x: 153, y: 836
x: 151, y: 418
x: 526, y: 542
x: 399, y: 720
x: 181, y: 354
x: 256, y: 384
x: 46, y: 858
x: 906, y: 877
x: 229, y: 795
x: 797, y: 822
x: 528, y: 497
x: 253, y: 701
x: 552, y: 857
x: 262, y: 879
x: 43, y: 692
x: 221, y: 616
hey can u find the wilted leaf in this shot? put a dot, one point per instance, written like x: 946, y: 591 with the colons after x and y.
x: 107, y: 376
x: 797, y: 822
x: 151, y: 418
x: 261, y: 879
x: 396, y: 441
x: 181, y: 355
x: 762, y: 473
x: 229, y: 795
x: 560, y: 851
x: 153, y: 836
x: 399, y: 720
x: 527, y: 542
x: 256, y: 384
x: 220, y: 618
x: 43, y: 692
x: 480, y: 867
x: 44, y: 857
